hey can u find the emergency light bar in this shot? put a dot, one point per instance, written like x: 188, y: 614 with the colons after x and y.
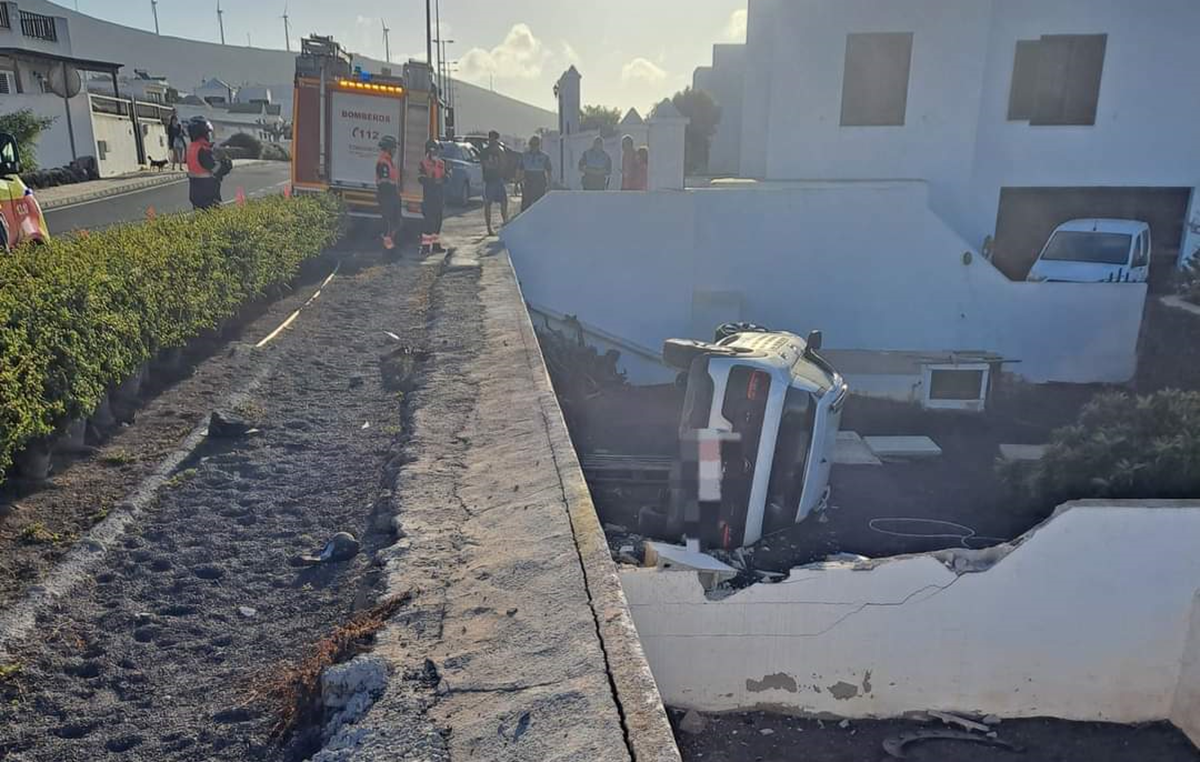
x: 353, y: 84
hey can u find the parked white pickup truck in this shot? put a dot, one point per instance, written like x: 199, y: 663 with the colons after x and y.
x: 1095, y: 251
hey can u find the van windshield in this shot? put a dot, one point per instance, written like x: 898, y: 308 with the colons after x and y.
x: 1083, y: 246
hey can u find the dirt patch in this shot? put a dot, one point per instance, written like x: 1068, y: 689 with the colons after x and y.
x: 776, y: 738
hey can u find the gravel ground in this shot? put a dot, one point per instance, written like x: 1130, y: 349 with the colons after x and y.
x: 150, y: 659
x: 758, y: 737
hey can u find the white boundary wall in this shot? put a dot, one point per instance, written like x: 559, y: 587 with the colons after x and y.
x: 1087, y: 619
x: 1186, y: 712
x: 866, y: 262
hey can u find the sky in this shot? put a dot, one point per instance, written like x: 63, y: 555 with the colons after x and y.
x: 631, y: 53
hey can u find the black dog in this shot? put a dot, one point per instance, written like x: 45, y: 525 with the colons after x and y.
x: 159, y: 164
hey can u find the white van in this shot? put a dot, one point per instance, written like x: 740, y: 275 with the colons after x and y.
x: 1095, y: 251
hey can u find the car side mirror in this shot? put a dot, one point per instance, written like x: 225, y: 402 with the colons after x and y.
x: 814, y: 341
x: 10, y: 159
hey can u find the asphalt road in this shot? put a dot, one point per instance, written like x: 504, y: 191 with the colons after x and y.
x: 256, y: 179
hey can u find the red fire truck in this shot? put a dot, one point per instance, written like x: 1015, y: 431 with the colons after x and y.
x: 340, y: 113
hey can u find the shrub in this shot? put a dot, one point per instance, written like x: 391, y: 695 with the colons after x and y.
x: 1188, y: 279
x: 1121, y: 446
x: 250, y: 146
x: 275, y: 152
x: 25, y: 126
x: 82, y: 313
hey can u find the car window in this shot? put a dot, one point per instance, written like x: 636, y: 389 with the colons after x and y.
x: 470, y: 153
x: 1085, y: 246
x: 1142, y: 257
x: 451, y: 151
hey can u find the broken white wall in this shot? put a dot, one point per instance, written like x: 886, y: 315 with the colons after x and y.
x: 1186, y: 711
x: 866, y: 262
x: 1086, y: 620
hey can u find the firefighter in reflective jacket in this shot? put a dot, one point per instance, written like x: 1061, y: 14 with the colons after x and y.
x: 205, y: 170
x: 433, y: 180
x: 387, y: 190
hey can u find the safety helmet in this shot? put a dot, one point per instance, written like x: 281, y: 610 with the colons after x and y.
x: 199, y: 127
x: 388, y: 143
x: 432, y: 146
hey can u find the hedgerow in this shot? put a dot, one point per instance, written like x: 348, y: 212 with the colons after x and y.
x: 85, y: 312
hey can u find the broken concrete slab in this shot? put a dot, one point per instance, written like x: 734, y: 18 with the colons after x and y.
x: 667, y: 557
x: 903, y: 448
x: 851, y: 450
x: 1022, y: 453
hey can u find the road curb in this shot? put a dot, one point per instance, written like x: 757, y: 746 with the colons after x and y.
x: 129, y: 185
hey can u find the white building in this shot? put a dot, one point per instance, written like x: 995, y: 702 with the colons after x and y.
x: 216, y: 92
x: 724, y: 81
x: 142, y: 85
x: 1019, y: 114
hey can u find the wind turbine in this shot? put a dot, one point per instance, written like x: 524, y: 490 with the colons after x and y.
x: 154, y: 10
x: 221, y: 21
x: 387, y: 48
x: 287, y: 29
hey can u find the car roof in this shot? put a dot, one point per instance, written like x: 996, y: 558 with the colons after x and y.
x: 1103, y: 225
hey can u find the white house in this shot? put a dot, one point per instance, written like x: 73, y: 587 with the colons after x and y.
x: 1018, y: 114
x: 143, y: 86
x: 724, y: 81
x: 216, y: 91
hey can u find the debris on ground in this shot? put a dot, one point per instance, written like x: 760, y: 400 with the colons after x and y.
x: 221, y: 426
x: 895, y: 747
x: 954, y: 719
x: 349, y: 690
x: 341, y: 547
x: 693, y: 722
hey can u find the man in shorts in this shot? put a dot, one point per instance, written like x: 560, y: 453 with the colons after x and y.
x: 494, y: 191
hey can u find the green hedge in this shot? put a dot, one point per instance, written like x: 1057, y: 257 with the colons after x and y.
x: 84, y: 312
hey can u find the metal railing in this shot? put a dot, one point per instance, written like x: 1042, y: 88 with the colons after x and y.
x: 39, y: 27
x: 5, y: 23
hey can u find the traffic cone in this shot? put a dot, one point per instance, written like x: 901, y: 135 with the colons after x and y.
x: 241, y: 196
x: 287, y: 191
x: 83, y: 233
x: 150, y: 213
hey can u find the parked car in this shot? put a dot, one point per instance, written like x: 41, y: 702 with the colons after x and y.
x: 512, y: 157
x: 1095, y: 251
x: 21, y: 218
x: 465, y: 170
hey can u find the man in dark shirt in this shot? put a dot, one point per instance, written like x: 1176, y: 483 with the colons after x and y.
x: 494, y: 191
x: 535, y: 172
x: 205, y: 170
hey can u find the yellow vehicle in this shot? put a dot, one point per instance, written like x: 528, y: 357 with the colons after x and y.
x: 21, y: 218
x: 340, y: 113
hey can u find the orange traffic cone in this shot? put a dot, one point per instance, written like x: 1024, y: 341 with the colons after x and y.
x: 287, y: 191
x: 241, y: 196
x: 150, y: 213
x: 83, y: 233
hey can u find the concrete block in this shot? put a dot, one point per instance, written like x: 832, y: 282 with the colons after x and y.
x: 903, y: 448
x: 1012, y: 452
x: 668, y: 557
x: 851, y: 450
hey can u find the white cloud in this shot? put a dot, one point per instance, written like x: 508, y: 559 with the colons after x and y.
x: 642, y: 70
x: 569, y: 55
x: 520, y: 56
x: 735, y: 30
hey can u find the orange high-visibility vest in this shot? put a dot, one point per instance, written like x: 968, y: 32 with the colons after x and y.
x: 385, y: 170
x: 433, y: 168
x: 194, y: 167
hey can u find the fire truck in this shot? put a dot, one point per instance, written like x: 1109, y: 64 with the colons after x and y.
x: 339, y: 114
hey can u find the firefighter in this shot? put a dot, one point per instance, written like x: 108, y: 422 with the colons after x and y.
x: 387, y: 189
x: 433, y: 180
x: 205, y: 170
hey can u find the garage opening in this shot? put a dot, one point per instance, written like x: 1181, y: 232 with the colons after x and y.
x: 1028, y: 216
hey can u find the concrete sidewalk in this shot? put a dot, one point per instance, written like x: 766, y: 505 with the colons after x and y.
x: 65, y: 195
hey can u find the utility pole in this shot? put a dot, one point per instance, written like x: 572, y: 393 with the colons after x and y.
x: 249, y: 44
x: 437, y: 4
x: 221, y: 21
x: 428, y: 35
x: 154, y: 10
x: 387, y: 47
x: 287, y: 30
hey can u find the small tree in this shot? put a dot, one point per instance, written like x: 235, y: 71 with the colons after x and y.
x: 600, y: 118
x: 26, y: 126
x: 704, y: 113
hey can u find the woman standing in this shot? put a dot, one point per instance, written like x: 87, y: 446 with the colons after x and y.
x: 177, y: 143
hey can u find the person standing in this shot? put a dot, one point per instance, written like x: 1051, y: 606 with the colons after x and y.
x: 387, y: 190
x: 596, y: 166
x: 494, y: 191
x: 433, y: 205
x: 176, y: 143
x: 534, y: 172
x: 628, y: 163
x: 641, y: 170
x: 205, y: 171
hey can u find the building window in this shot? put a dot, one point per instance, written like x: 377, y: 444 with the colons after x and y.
x: 1056, y: 79
x: 875, y: 85
x: 8, y: 82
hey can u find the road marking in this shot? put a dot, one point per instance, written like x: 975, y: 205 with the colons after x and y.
x: 292, y: 317
x: 112, y: 196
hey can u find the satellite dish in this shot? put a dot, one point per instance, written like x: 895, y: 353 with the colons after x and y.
x: 64, y: 82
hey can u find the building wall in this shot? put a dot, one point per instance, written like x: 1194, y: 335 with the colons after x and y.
x: 813, y: 256
x: 1186, y: 711
x: 957, y: 135
x: 1086, y: 619
x: 725, y: 83
x: 120, y: 156
x: 54, y: 144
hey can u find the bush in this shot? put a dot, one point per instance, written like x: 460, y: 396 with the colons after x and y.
x: 1188, y: 279
x: 1121, y: 446
x: 25, y: 126
x: 83, y: 313
x: 249, y: 146
x: 275, y: 152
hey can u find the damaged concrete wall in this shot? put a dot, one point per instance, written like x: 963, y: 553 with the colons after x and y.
x: 849, y: 258
x: 1085, y: 619
x: 1186, y: 711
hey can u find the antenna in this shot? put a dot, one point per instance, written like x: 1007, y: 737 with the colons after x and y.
x: 387, y: 47
x: 287, y: 29
x: 154, y: 10
x: 221, y: 21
